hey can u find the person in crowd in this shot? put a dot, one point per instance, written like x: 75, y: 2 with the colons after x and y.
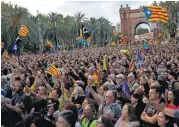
x: 172, y: 100
x: 136, y: 101
x: 89, y: 120
x: 132, y: 82
x: 149, y: 115
x: 73, y: 108
x: 41, y: 122
x: 52, y: 110
x: 163, y: 120
x: 78, y: 96
x: 128, y: 117
x: 110, y: 108
x: 104, y: 121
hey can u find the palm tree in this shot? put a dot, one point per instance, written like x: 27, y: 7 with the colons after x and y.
x: 79, y: 18
x: 93, y: 24
x: 12, y: 19
x: 173, y: 9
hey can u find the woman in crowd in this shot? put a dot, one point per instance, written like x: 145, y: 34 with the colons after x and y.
x: 171, y: 100
x: 136, y: 101
x: 104, y: 121
x: 128, y: 117
x: 73, y: 108
x: 78, y: 96
x: 66, y: 119
x: 164, y: 121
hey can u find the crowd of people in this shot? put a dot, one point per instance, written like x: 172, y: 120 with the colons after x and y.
x: 86, y: 94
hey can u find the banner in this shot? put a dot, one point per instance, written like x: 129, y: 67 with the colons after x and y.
x: 144, y: 36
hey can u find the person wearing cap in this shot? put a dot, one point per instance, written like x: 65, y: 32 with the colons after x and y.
x: 121, y: 83
x: 66, y: 119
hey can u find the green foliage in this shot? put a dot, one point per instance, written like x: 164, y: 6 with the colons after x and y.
x: 141, y: 31
x: 64, y: 28
x: 173, y: 9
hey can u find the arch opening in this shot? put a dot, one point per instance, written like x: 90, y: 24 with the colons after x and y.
x: 142, y: 28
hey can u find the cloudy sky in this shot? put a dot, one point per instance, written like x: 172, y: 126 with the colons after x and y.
x: 106, y: 9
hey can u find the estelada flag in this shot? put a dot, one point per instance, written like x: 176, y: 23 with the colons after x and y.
x: 23, y: 30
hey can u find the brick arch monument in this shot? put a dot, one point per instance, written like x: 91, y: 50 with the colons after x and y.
x: 130, y: 19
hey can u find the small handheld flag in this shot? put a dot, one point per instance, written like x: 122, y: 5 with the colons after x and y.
x: 50, y: 44
x: 6, y: 55
x: 23, y: 31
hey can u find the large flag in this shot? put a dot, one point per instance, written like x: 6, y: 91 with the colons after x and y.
x: 23, y: 30
x: 140, y: 62
x: 156, y: 13
x: 16, y: 47
x: 86, y: 33
x: 6, y: 55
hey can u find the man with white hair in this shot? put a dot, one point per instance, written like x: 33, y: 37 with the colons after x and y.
x: 131, y: 82
x: 123, y: 85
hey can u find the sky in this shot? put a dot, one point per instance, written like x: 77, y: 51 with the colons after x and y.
x: 106, y: 9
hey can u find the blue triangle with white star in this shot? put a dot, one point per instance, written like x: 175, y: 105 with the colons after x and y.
x: 147, y: 12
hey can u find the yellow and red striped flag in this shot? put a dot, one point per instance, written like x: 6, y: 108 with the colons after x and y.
x: 156, y: 13
x: 23, y: 30
x: 50, y: 44
x: 6, y: 55
x: 53, y: 71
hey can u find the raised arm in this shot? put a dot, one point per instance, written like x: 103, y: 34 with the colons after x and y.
x: 96, y: 97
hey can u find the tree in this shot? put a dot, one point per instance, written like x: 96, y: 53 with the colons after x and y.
x: 142, y: 31
x: 93, y: 24
x: 173, y: 9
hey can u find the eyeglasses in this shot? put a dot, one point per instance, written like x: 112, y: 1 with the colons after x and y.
x: 107, y: 96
